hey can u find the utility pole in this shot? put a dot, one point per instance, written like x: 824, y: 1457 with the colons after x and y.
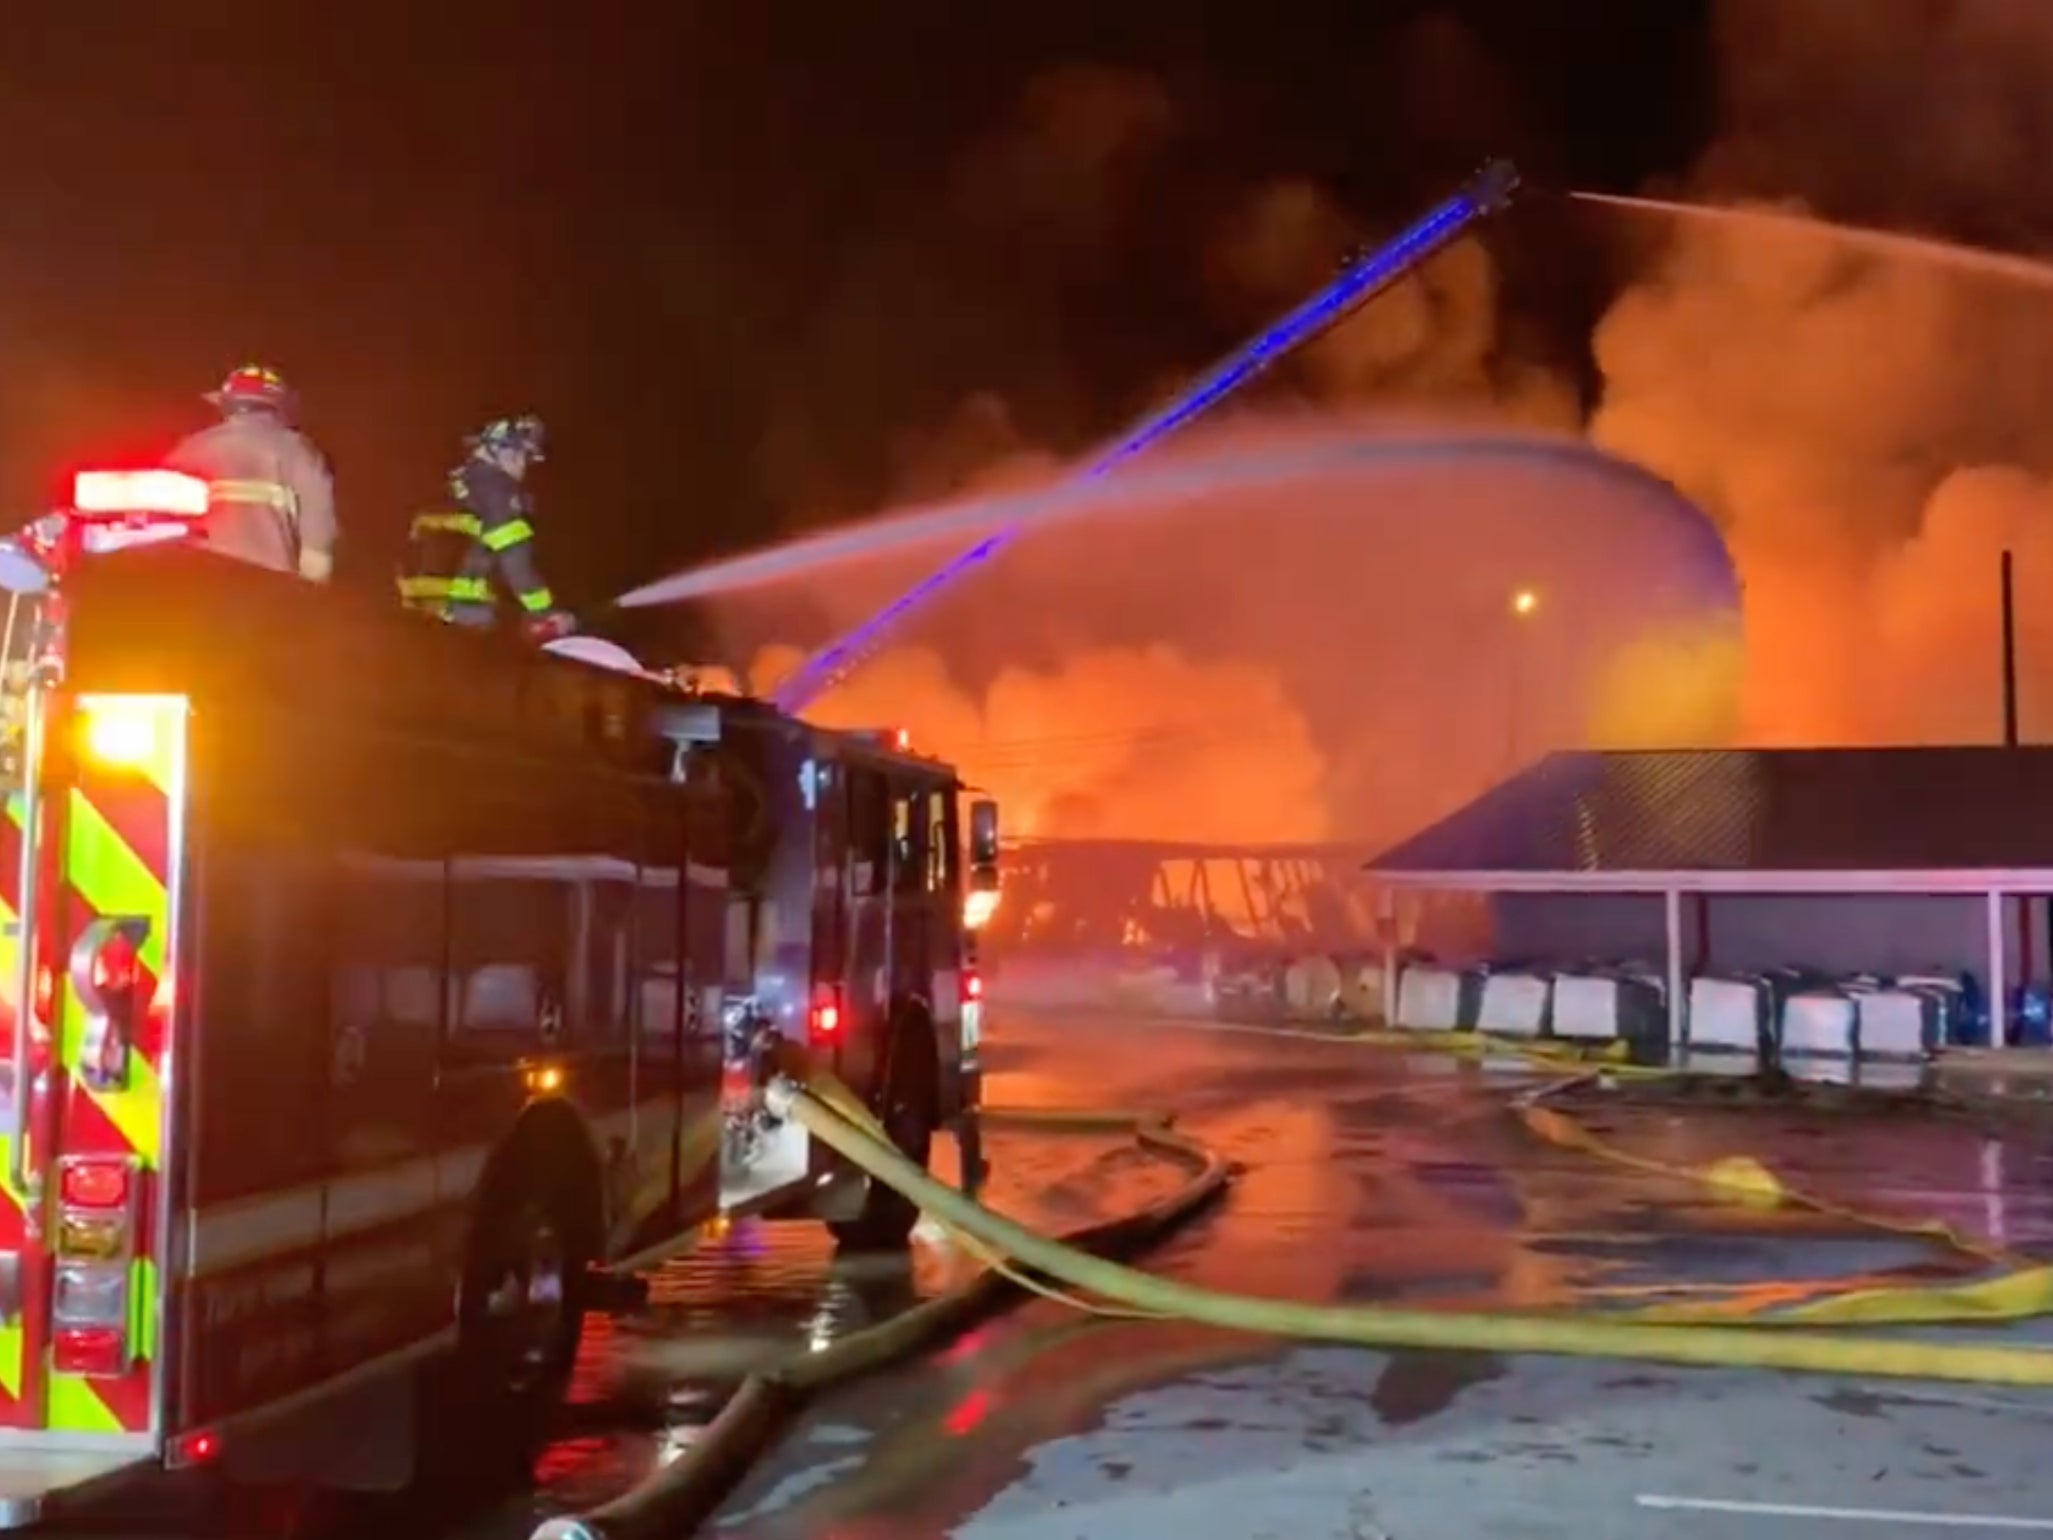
x: 2009, y: 655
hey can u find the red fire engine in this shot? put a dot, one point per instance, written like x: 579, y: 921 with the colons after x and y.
x: 371, y: 988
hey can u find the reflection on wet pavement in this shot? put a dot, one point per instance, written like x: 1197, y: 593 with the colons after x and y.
x: 750, y: 1297
x: 1370, y: 1177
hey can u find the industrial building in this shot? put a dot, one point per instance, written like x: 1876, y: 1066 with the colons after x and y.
x: 1876, y: 868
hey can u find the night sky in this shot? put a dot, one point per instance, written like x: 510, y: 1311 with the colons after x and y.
x: 730, y: 257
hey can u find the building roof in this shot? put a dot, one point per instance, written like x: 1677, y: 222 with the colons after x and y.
x: 1794, y: 819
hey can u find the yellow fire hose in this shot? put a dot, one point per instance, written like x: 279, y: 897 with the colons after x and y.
x: 1708, y: 1346
x: 681, y: 1495
x: 2022, y: 1290
x: 684, y: 1493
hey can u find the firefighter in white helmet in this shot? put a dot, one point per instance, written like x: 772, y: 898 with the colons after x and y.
x: 272, y: 494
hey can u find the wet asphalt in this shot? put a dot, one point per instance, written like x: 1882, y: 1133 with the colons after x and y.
x: 1372, y: 1176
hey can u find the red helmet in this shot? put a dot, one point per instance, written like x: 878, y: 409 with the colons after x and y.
x: 255, y: 388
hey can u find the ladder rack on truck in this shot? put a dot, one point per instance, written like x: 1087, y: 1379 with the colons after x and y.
x: 370, y: 986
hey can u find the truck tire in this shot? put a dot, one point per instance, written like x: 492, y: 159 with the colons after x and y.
x: 910, y: 1111
x: 521, y: 1307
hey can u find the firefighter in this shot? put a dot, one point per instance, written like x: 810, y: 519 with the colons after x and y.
x: 485, y: 531
x: 272, y: 494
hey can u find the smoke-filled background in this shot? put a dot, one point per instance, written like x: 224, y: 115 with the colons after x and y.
x: 1865, y: 425
x: 1869, y: 429
x: 1294, y: 629
x: 764, y: 278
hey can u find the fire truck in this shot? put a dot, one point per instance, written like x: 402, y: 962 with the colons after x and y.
x: 372, y: 991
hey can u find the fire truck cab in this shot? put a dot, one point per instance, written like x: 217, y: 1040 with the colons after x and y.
x: 844, y: 930
x: 370, y: 988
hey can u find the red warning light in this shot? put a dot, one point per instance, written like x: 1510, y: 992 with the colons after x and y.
x: 197, y: 1448
x: 825, y: 1022
x: 151, y: 491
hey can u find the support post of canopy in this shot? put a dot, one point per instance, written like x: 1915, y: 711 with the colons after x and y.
x: 1386, y: 932
x: 1671, y: 906
x: 1999, y: 986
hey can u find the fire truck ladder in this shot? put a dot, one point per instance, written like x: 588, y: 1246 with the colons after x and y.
x: 1360, y: 280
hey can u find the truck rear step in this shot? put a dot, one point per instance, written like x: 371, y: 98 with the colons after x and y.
x: 33, y: 1480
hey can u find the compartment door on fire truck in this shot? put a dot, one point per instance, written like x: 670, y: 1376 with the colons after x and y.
x: 861, y: 974
x: 912, y: 898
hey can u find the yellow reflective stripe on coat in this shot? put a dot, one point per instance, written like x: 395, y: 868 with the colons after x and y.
x: 505, y: 536
x: 462, y: 588
x: 454, y: 523
x: 270, y: 494
x: 536, y: 600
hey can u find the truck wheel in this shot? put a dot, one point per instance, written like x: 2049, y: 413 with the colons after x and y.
x: 909, y: 1114
x: 521, y: 1311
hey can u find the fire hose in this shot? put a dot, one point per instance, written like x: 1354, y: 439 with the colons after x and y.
x: 1376, y: 1326
x: 682, y: 1495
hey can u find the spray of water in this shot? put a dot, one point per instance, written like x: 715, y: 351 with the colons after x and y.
x: 1322, y: 645
x: 1865, y: 416
x: 1289, y: 632
x: 1239, y: 464
x: 1802, y: 226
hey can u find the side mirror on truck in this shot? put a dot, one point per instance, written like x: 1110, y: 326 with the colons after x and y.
x: 983, y: 836
x: 981, y: 901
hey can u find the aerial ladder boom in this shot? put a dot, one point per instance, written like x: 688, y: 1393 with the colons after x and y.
x: 1360, y: 280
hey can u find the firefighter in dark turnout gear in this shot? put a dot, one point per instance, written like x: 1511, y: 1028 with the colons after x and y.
x: 482, y: 533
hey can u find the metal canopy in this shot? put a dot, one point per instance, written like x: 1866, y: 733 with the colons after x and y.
x: 1756, y: 820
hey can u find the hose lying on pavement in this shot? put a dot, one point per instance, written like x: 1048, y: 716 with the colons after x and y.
x: 1708, y: 1346
x: 682, y: 1494
x: 2020, y: 1289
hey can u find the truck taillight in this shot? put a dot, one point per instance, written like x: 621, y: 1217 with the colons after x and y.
x: 826, y: 1021
x: 96, y: 1208
x: 101, y: 1184
x: 972, y: 986
x: 95, y: 1253
x: 98, y: 1351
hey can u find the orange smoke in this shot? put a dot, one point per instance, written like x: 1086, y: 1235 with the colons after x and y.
x: 1854, y: 423
x: 1126, y: 743
x: 1289, y: 633
x: 1865, y: 425
x: 1867, y: 430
